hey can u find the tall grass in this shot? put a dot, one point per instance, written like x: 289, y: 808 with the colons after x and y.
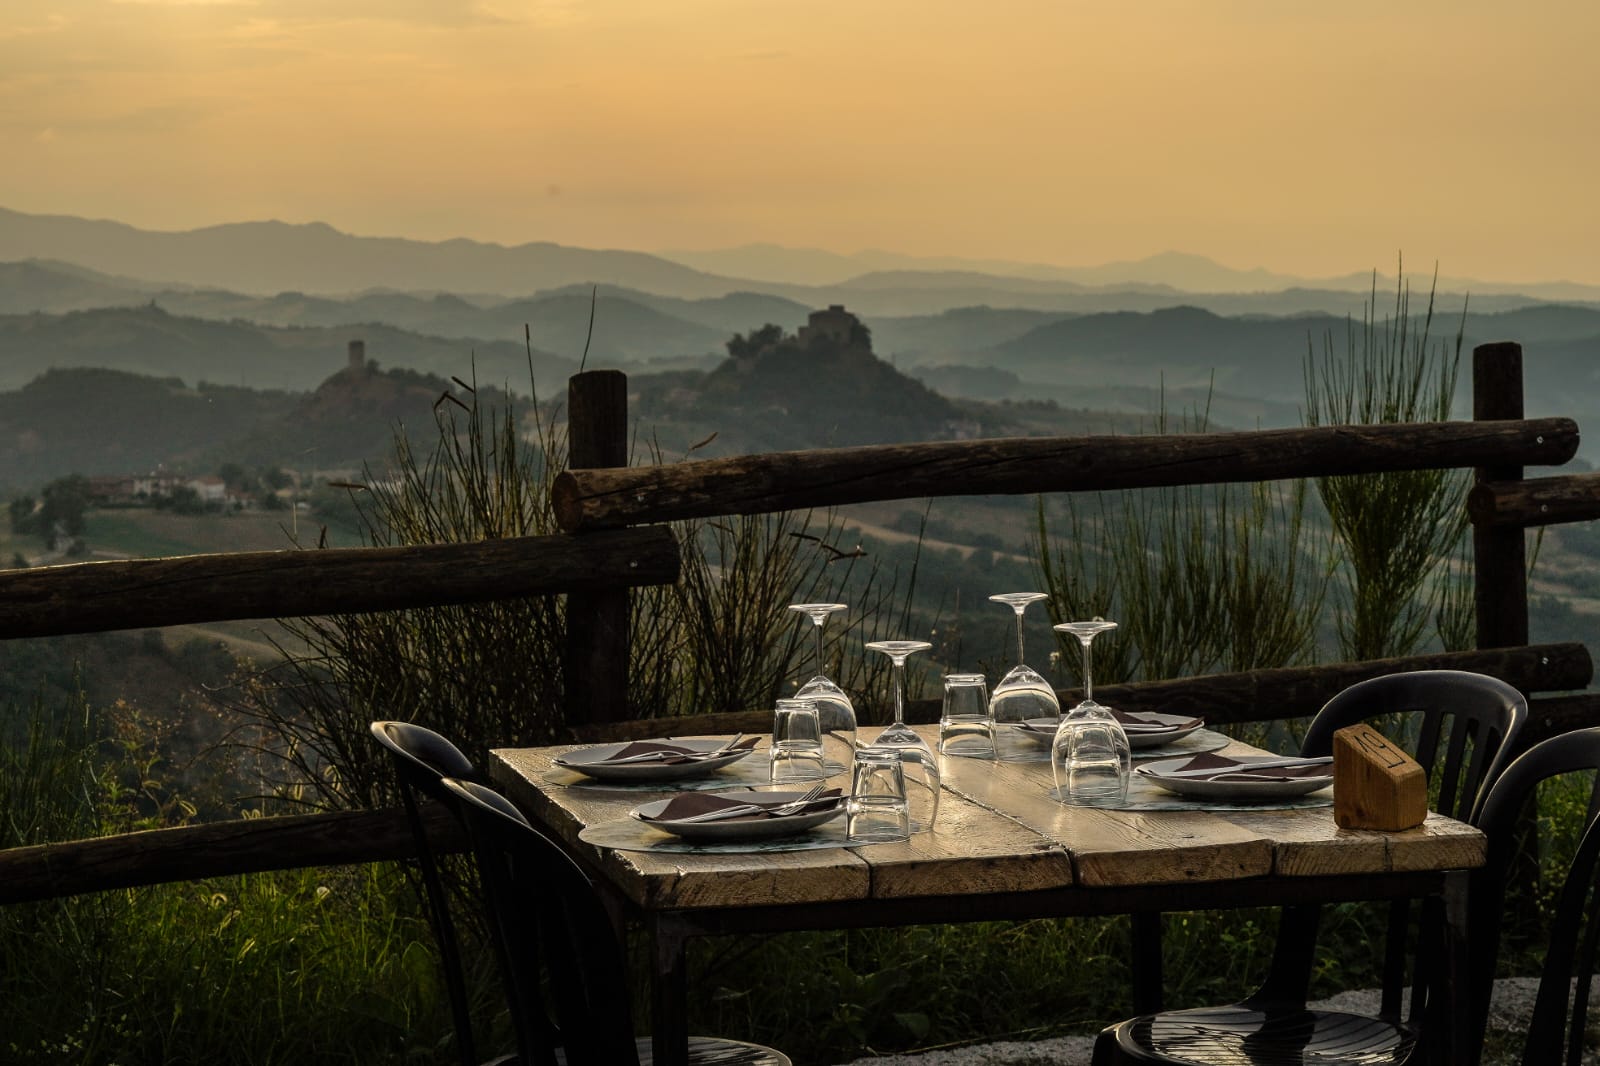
x: 303, y: 966
x: 1199, y: 578
x: 1397, y: 531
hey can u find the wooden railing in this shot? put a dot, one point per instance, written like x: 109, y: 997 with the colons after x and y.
x: 612, y: 545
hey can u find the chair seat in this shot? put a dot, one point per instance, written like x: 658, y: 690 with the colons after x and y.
x: 1241, y: 1035
x: 712, y: 1051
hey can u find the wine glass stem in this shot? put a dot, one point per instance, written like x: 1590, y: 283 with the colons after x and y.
x: 820, y: 671
x: 899, y: 692
x: 1088, y: 681
x: 1019, y: 636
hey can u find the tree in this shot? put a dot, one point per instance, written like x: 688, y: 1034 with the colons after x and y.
x: 23, y: 519
x: 749, y: 346
x: 62, y: 506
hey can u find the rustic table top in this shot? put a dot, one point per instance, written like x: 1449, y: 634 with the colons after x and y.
x: 998, y: 831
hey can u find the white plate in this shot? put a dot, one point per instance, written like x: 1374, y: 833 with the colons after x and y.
x: 1233, y: 788
x: 592, y: 762
x: 1182, y: 725
x: 748, y: 828
x: 1043, y: 730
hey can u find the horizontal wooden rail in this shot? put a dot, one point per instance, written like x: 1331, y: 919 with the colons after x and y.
x: 217, y: 849
x: 1543, y: 501
x: 253, y: 845
x: 1251, y: 696
x: 1549, y: 715
x: 140, y: 593
x: 784, y: 481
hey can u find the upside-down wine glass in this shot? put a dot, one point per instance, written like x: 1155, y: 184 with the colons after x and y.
x: 837, y: 713
x: 1090, y: 757
x: 1022, y: 696
x: 917, y: 759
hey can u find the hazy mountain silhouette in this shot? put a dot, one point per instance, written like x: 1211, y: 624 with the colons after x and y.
x: 149, y: 340
x: 1180, y: 271
x: 269, y: 257
x: 274, y: 257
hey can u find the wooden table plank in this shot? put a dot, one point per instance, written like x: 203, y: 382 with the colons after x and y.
x: 1307, y: 843
x: 999, y: 831
x: 1112, y: 848
x: 663, y: 881
x: 1439, y: 843
x: 970, y: 850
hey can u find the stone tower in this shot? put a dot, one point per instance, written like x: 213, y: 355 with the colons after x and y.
x: 358, y: 357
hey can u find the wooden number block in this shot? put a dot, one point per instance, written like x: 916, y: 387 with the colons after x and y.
x: 1375, y: 784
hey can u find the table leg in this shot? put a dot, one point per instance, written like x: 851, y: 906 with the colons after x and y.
x: 1451, y: 1024
x: 1147, y: 978
x: 669, y: 995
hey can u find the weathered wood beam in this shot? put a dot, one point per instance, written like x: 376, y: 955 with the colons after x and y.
x: 217, y: 849
x: 1543, y: 501
x: 784, y: 481
x: 140, y: 593
x: 1550, y: 715
x: 596, y: 653
x: 1253, y: 696
x: 1499, y: 556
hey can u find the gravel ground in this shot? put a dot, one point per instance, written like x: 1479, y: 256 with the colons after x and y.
x: 1509, y: 1011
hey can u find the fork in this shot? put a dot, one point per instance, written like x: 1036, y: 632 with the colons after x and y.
x: 791, y: 807
x: 690, y: 756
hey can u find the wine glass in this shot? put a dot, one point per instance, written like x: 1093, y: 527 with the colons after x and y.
x: 1022, y: 696
x: 834, y: 709
x: 1089, y: 756
x: 918, y: 762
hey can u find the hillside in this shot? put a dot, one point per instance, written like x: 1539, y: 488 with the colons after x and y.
x: 149, y: 340
x: 269, y: 257
x: 99, y: 421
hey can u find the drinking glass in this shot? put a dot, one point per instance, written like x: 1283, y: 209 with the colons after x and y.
x: 796, y: 752
x: 834, y: 708
x: 964, y: 725
x: 921, y: 767
x: 877, y: 811
x: 1022, y: 695
x: 1089, y: 756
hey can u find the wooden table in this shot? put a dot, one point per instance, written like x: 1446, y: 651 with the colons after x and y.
x: 1002, y: 848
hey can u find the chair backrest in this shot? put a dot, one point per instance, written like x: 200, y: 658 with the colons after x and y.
x: 1559, y: 1012
x: 1461, y: 727
x: 1463, y: 724
x: 422, y: 759
x: 548, y: 916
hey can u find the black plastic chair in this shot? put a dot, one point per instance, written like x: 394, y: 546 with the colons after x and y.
x: 1555, y: 1031
x: 553, y: 933
x: 422, y: 760
x: 1461, y: 728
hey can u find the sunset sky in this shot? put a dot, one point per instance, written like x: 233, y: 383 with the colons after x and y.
x: 1309, y: 137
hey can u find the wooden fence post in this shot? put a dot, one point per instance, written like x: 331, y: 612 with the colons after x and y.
x: 1501, y: 586
x: 1501, y: 565
x: 597, y: 622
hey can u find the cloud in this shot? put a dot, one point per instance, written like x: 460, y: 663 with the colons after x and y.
x: 435, y: 14
x: 53, y: 24
x: 187, y: 3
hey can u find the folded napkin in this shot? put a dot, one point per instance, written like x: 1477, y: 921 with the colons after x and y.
x: 686, y: 754
x: 1227, y: 769
x: 1147, y: 724
x: 694, y: 804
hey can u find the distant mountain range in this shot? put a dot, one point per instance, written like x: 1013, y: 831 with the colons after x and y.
x: 272, y: 306
x: 268, y: 258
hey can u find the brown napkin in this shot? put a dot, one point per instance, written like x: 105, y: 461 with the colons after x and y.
x: 1233, y: 769
x: 647, y: 747
x: 692, y: 804
x: 1153, y: 725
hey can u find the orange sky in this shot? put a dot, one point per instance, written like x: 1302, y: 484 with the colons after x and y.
x: 1309, y: 137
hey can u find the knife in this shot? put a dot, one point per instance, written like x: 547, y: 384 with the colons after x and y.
x: 1243, y: 768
